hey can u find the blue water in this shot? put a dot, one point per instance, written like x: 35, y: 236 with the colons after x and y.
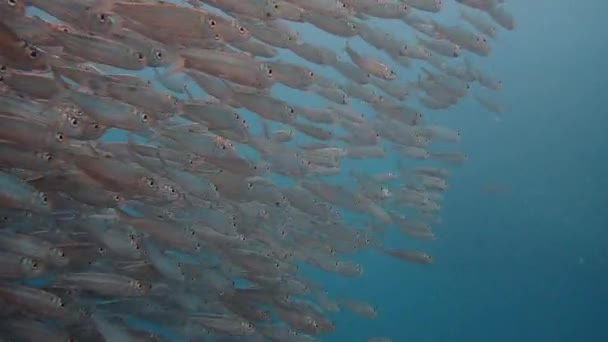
x: 529, y: 265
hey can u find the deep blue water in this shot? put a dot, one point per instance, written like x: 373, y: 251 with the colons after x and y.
x: 531, y: 264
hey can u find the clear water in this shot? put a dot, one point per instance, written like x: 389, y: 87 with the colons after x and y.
x: 531, y: 264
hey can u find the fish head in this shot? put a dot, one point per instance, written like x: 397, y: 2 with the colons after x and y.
x: 242, y: 31
x: 103, y: 22
x: 57, y: 257
x: 352, y: 27
x: 32, y: 267
x: 390, y: 74
x: 170, y: 192
x: 424, y: 52
x: 45, y: 157
x: 10, y: 9
x: 456, y: 50
x: 345, y: 99
x: 37, y: 58
x: 159, y: 56
x: 271, y: 9
x: 247, y: 327
x: 289, y: 113
x: 341, y: 9
x: 437, y: 5
x: 309, y: 75
x: 404, y: 50
x: 213, y: 192
x: 233, y: 31
x: 40, y: 203
x: 261, y: 168
x: 267, y: 75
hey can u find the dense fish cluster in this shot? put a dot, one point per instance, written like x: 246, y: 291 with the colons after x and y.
x: 156, y: 185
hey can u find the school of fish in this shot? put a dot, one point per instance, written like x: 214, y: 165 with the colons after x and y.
x: 155, y: 184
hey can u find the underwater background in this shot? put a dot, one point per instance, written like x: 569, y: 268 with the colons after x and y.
x: 530, y: 264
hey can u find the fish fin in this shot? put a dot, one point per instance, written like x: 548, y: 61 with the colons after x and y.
x: 188, y: 93
x: 266, y: 129
x: 176, y: 68
x: 63, y: 93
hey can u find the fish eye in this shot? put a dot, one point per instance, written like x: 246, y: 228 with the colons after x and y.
x: 158, y: 54
x: 144, y: 117
x: 74, y: 122
x: 249, y: 325
x: 212, y: 23
x: 468, y: 86
x: 151, y: 182
x: 116, y: 198
x: 48, y: 156
x: 250, y: 185
x: 60, y: 137
x: 34, y: 54
x: 103, y: 17
x: 278, y: 204
x: 291, y: 111
x: 276, y: 6
x: 11, y: 3
x: 96, y: 126
x: 140, y: 56
x: 34, y: 264
x: 311, y: 74
x: 217, y: 37
x: 242, y: 29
